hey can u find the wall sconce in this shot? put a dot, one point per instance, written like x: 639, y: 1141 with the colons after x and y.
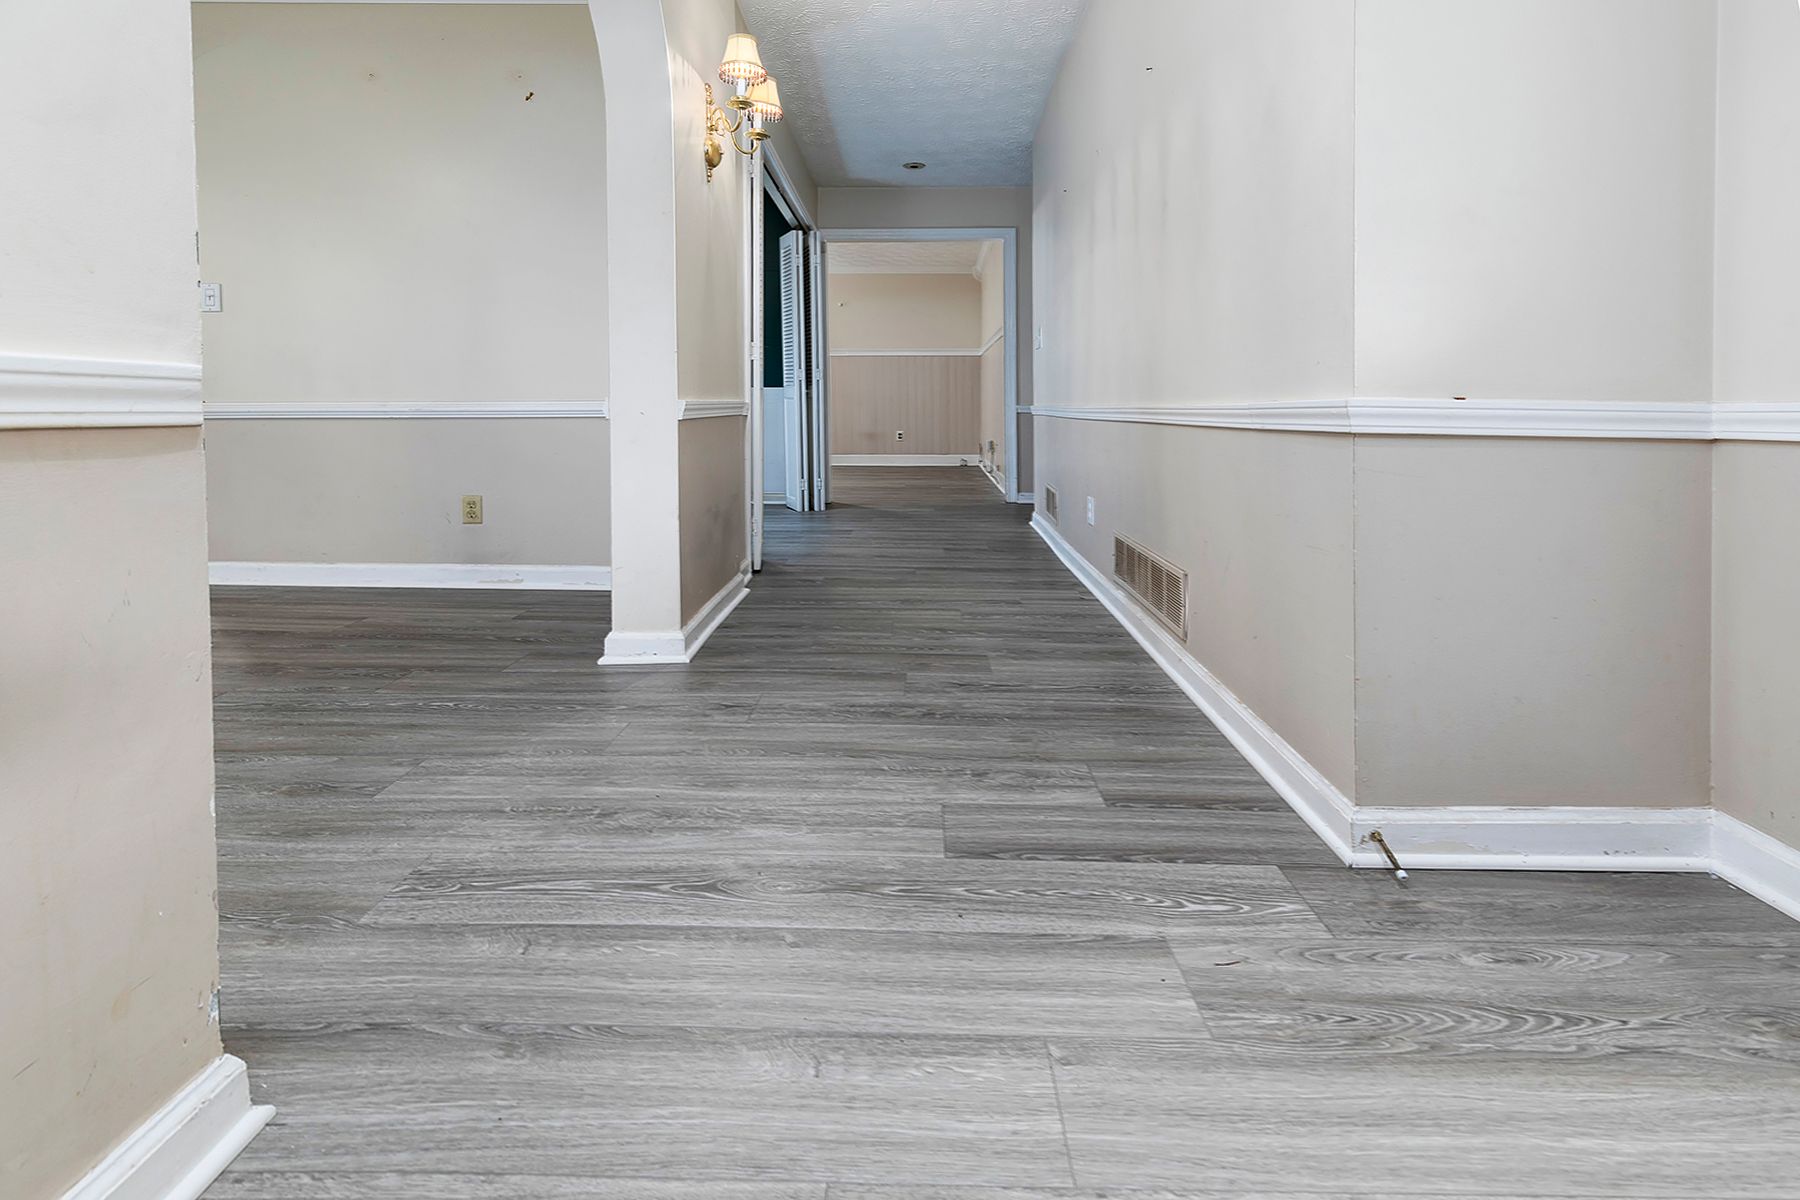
x: 754, y: 99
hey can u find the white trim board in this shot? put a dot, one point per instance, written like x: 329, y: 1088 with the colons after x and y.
x: 411, y: 575
x: 1448, y: 838
x: 185, y: 1144
x: 699, y: 410
x: 957, y: 352
x: 89, y: 393
x: 1674, y: 421
x: 365, y: 410
x: 994, y: 477
x: 632, y: 649
x: 904, y: 460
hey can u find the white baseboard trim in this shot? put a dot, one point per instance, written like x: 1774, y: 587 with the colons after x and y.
x: 903, y: 460
x: 1759, y: 864
x: 38, y: 392
x: 1315, y: 798
x: 1026, y: 498
x: 994, y: 477
x: 1493, y: 838
x: 630, y: 648
x: 1459, y: 838
x: 411, y: 575
x: 185, y: 1144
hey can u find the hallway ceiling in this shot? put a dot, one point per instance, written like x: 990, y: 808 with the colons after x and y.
x: 956, y: 84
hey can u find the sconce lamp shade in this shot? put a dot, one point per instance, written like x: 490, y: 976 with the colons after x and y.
x: 765, y: 99
x: 742, y: 63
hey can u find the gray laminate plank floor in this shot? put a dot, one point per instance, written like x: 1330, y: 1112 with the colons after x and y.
x: 921, y: 884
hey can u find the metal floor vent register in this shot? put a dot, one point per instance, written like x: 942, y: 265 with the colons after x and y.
x: 1153, y: 581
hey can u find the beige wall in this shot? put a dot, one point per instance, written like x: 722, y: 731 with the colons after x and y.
x: 953, y: 208
x: 1756, y: 496
x: 1756, y: 640
x: 903, y: 312
x: 108, y: 928
x: 1261, y: 523
x: 1531, y: 621
x: 391, y: 491
x: 441, y: 240
x: 712, y: 508
x: 934, y: 400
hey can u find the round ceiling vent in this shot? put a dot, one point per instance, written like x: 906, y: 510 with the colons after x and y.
x: 914, y: 166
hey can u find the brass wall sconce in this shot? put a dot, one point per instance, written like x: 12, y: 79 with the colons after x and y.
x: 754, y: 100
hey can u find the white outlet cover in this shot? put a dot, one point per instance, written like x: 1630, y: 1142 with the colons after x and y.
x: 1090, y: 510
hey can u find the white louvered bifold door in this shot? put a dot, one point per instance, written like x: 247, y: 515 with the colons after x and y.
x: 792, y: 428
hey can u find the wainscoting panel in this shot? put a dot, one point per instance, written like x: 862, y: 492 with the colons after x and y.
x: 935, y: 401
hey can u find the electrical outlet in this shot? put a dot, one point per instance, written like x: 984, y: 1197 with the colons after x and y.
x: 471, y: 508
x: 899, y: 435
x: 1090, y: 510
x: 212, y: 298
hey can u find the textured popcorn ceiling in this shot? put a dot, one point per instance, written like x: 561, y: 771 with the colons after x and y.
x: 904, y: 258
x: 956, y: 84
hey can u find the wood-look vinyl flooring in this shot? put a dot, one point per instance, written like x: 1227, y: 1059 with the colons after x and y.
x: 922, y: 883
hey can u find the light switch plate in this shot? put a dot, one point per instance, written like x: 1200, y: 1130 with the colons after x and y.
x: 212, y: 297
x: 1090, y: 510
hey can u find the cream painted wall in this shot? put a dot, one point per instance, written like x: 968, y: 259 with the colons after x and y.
x: 108, y: 927
x: 953, y: 208
x: 86, y: 270
x: 1530, y: 617
x: 391, y: 490
x: 1534, y: 199
x: 1192, y: 195
x: 711, y: 261
x: 1261, y: 522
x: 1192, y: 244
x: 903, y: 312
x: 441, y: 239
x: 1756, y: 488
x: 1531, y: 621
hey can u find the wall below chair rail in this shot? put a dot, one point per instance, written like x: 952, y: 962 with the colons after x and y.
x: 405, y: 206
x: 388, y: 491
